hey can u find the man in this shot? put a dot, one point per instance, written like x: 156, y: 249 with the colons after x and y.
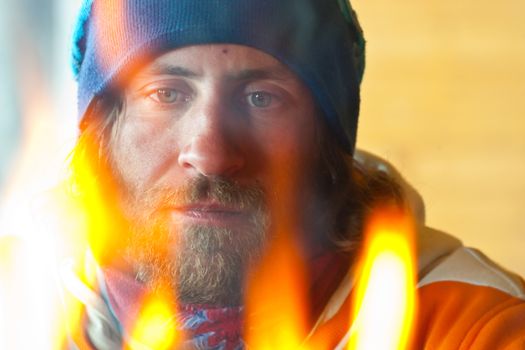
x: 213, y: 129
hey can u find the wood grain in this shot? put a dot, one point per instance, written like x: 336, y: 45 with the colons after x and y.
x: 444, y: 100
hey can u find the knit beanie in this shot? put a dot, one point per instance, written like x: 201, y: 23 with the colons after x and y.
x: 319, y: 40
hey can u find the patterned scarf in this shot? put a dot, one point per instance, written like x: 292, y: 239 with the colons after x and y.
x: 205, y: 326
x: 209, y: 327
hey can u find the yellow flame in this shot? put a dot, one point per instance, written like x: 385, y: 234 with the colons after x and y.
x: 35, y: 176
x: 155, y: 328
x: 384, y: 300
x: 82, y: 220
x: 28, y: 266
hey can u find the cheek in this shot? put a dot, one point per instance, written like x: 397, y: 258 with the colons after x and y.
x: 294, y: 142
x: 291, y: 156
x: 142, y: 151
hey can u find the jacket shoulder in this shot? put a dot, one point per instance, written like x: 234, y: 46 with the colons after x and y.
x: 459, y: 315
x: 443, y: 258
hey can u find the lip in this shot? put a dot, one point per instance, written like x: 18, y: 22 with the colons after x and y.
x: 210, y: 213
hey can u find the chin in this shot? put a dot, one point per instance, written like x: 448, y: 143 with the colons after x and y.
x: 202, y: 263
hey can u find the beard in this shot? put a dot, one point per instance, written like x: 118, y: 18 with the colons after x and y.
x: 200, y: 263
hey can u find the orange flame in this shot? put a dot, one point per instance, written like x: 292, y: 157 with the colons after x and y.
x: 28, y: 245
x: 77, y: 220
x: 86, y: 224
x: 276, y: 306
x: 384, y: 299
x: 276, y: 300
x: 156, y: 327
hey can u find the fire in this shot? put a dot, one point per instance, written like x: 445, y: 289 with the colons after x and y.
x: 384, y: 299
x: 276, y: 304
x: 276, y: 298
x: 28, y: 244
x: 156, y: 328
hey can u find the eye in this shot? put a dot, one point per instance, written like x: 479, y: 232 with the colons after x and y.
x: 166, y: 96
x: 260, y: 99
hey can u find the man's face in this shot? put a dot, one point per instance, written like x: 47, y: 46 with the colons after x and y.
x: 215, y: 143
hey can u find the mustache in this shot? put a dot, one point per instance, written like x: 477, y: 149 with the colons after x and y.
x: 218, y: 190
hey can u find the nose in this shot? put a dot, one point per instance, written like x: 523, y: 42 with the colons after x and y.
x: 213, y: 146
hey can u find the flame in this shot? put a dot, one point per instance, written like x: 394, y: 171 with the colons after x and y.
x: 29, y: 246
x: 156, y: 328
x: 276, y: 300
x: 40, y: 224
x: 384, y: 299
x: 276, y: 307
x: 93, y: 199
x: 32, y: 249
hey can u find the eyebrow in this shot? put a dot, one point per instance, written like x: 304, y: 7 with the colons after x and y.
x: 166, y: 69
x: 273, y: 73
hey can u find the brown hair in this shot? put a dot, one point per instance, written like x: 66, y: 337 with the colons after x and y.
x: 91, y: 179
x: 352, y: 192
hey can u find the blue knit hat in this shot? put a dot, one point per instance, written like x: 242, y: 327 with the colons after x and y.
x: 319, y: 40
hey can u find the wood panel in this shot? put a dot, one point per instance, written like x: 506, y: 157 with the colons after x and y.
x: 444, y: 100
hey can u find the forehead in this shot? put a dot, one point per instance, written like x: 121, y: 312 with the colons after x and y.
x: 226, y: 61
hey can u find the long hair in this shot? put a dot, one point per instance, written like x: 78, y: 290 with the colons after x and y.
x: 352, y: 192
x: 92, y: 183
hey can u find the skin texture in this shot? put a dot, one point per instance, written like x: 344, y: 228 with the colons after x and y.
x: 212, y: 128
x: 214, y: 143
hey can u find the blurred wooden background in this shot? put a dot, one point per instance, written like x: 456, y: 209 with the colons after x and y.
x: 444, y: 101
